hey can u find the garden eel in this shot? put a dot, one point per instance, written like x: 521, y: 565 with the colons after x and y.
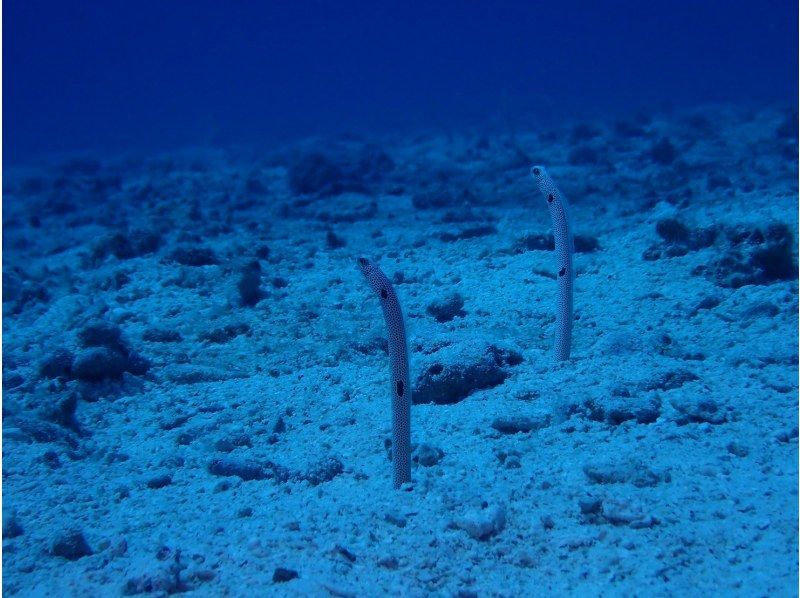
x: 398, y: 362
x: 565, y: 247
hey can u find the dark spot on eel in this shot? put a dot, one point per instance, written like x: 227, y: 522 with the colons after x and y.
x: 562, y: 271
x: 550, y: 198
x: 400, y: 388
x: 384, y: 293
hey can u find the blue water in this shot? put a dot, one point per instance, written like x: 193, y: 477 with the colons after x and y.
x: 201, y: 391
x: 159, y: 74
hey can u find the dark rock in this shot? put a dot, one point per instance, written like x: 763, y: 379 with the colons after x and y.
x: 534, y: 242
x: 447, y: 384
x: 760, y: 309
x: 590, y: 505
x: 163, y: 553
x: 51, y: 459
x: 707, y: 302
x: 787, y: 435
x: 254, y: 186
x: 334, y: 241
x: 104, y: 363
x: 226, y: 445
x: 774, y: 261
x: 245, y: 469
x: 585, y: 244
x: 743, y: 236
x: 99, y: 363
x: 136, y: 364
x: 447, y: 308
x: 520, y: 424
x: 280, y: 426
x: 71, y: 545
x: 102, y: 334
x: 702, y: 238
x: 753, y: 257
x: 461, y: 215
x: 672, y: 379
x: 42, y: 431
x: 672, y: 231
x: 395, y: 519
x: 346, y: 553
x: 652, y: 254
x: 618, y: 409
x: 539, y: 242
x: 11, y: 526
x: 282, y: 575
x: 389, y: 562
x: 697, y: 409
x: 164, y: 582
x: 249, y: 285
x: 125, y: 246
x: 427, y: 455
x: 315, y: 173
x: 174, y: 422
x: 63, y: 413
x: 162, y: 335
x: 57, y: 364
x: 323, y: 471
x: 189, y: 374
x: 344, y: 169
x: 373, y: 164
x: 679, y: 239
x: 738, y: 449
x: 159, y: 481
x: 194, y: 256
x: 625, y: 472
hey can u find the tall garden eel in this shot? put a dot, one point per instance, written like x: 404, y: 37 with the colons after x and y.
x: 398, y: 363
x: 565, y: 247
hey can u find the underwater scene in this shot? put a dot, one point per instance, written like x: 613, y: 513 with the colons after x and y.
x: 350, y: 299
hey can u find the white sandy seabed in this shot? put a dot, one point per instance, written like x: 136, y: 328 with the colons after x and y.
x: 165, y: 431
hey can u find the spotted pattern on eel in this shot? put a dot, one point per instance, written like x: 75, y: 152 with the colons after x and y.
x: 562, y: 233
x: 398, y: 361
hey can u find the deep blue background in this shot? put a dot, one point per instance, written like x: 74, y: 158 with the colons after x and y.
x: 152, y: 75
